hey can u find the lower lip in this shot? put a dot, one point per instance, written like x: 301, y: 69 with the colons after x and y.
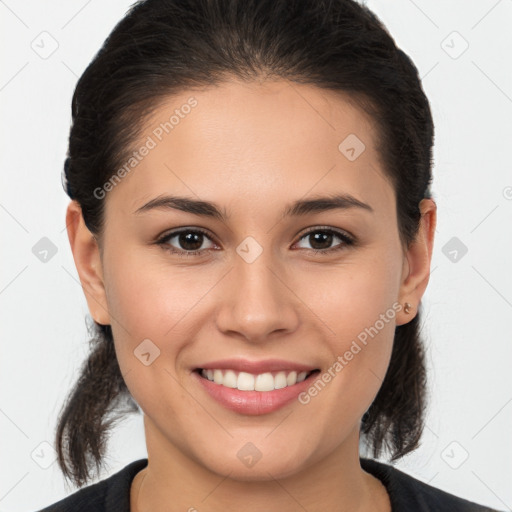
x: 254, y: 402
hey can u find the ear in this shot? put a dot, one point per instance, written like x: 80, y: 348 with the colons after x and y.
x: 86, y: 254
x: 416, y: 268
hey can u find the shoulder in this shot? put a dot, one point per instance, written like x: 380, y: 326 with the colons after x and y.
x: 408, y: 493
x: 109, y: 495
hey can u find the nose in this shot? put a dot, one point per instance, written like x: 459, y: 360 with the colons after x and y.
x: 258, y: 302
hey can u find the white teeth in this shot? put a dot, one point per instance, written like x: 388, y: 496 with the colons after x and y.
x: 291, y: 379
x: 245, y: 381
x: 301, y: 376
x: 280, y: 380
x: 264, y: 382
x: 248, y: 382
x: 230, y: 379
x: 217, y: 376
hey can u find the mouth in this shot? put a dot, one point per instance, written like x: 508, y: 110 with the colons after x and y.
x: 263, y: 382
x: 254, y: 387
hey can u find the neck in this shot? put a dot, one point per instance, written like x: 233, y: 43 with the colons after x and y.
x: 172, y: 481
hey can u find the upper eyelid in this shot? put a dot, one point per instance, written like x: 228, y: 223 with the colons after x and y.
x: 337, y: 231
x: 178, y: 231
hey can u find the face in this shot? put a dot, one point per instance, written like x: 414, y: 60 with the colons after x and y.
x: 260, y: 288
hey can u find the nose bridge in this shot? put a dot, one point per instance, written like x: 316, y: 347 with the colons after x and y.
x: 258, y: 302
x: 253, y: 272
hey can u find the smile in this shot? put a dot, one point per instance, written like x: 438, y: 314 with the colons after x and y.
x: 253, y: 393
x: 243, y: 381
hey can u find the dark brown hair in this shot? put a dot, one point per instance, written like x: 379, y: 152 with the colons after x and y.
x: 163, y: 47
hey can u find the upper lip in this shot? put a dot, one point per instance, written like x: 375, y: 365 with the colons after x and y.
x: 257, y: 367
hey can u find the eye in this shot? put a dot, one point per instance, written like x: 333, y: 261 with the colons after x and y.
x: 189, y: 241
x: 321, y: 239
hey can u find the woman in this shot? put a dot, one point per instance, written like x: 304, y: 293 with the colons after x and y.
x: 252, y: 224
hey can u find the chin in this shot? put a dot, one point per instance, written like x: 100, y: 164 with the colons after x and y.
x: 248, y: 464
x: 261, y: 472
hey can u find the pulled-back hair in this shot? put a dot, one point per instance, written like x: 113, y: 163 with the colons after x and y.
x: 165, y: 47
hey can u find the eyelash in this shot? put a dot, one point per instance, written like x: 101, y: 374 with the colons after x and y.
x: 347, y: 241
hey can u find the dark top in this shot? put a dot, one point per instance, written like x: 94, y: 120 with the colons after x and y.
x: 406, y: 493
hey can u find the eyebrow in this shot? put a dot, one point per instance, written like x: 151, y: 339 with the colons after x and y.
x: 210, y: 209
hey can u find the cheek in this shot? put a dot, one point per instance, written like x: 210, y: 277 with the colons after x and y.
x: 148, y: 307
x: 352, y: 296
x: 149, y: 300
x: 357, y: 305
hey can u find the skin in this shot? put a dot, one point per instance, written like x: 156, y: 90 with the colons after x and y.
x: 252, y: 149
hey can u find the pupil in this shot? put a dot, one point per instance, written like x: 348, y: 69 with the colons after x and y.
x: 188, y: 238
x: 322, y: 238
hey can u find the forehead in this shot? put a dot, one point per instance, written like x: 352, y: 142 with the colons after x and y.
x: 274, y: 140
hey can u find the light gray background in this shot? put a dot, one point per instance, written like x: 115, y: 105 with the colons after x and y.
x: 468, y: 304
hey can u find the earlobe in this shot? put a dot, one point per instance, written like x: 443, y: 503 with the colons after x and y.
x: 418, y: 259
x: 88, y: 263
